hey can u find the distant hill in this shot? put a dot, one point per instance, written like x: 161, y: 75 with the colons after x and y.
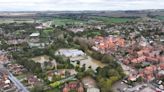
x: 137, y: 13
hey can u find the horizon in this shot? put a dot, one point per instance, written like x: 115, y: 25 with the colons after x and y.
x: 80, y: 5
x: 82, y: 10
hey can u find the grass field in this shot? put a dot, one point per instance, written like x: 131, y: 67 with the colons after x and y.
x: 63, y: 21
x: 46, y: 32
x: 10, y: 20
x: 93, y: 34
x: 109, y: 20
x: 160, y: 17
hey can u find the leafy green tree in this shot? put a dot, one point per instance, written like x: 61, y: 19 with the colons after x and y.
x: 37, y: 89
x: 97, y: 55
x: 107, y: 59
x: 113, y: 72
x: 105, y: 85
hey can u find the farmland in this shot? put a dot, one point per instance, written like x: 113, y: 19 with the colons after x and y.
x: 109, y: 20
x: 160, y: 17
x: 12, y: 20
x: 64, y: 21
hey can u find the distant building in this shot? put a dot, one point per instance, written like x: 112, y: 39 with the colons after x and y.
x: 73, y: 86
x: 90, y: 84
x: 32, y: 80
x: 4, y: 57
x: 45, y: 61
x: 93, y: 90
x: 34, y: 41
x: 34, y: 34
x: 63, y: 73
x: 75, y: 30
x: 5, y: 83
x: 70, y: 52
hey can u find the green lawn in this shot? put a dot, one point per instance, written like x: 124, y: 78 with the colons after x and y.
x: 54, y: 90
x: 160, y: 17
x: 47, y: 32
x: 63, y: 21
x: 21, y: 76
x: 93, y: 34
x: 109, y: 20
x: 95, y: 19
x: 9, y: 20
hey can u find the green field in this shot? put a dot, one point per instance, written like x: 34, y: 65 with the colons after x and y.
x: 46, y: 32
x: 10, y: 20
x: 160, y: 17
x: 92, y: 34
x: 109, y: 20
x: 63, y: 21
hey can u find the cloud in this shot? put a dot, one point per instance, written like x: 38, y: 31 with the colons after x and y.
x: 37, y: 5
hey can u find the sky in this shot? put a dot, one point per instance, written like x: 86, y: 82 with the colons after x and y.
x: 75, y: 5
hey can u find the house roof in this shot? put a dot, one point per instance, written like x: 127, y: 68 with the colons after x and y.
x: 161, y: 66
x: 93, y: 90
x: 89, y: 82
x: 3, y: 71
x: 34, y: 34
x: 70, y: 52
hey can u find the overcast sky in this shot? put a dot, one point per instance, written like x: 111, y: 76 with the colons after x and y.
x: 60, y: 5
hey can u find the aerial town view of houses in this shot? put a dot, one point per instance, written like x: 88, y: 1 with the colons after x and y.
x: 82, y: 52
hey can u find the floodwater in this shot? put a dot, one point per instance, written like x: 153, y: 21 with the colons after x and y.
x: 88, y: 61
x: 41, y: 59
x: 97, y: 62
x: 83, y: 58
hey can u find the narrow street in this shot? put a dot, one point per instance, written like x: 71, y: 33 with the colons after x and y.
x: 17, y: 83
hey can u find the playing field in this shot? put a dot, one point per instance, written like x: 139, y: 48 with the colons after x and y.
x: 109, y: 20
x: 64, y: 21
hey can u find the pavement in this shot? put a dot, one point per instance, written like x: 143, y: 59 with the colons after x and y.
x: 17, y: 83
x: 127, y: 69
x: 119, y: 86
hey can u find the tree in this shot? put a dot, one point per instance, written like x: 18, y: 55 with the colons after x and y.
x: 103, y: 72
x: 83, y: 68
x: 89, y: 72
x: 140, y: 79
x: 105, y: 84
x: 37, y: 89
x: 97, y: 55
x: 3, y: 45
x: 114, y: 79
x: 113, y: 72
x: 107, y: 59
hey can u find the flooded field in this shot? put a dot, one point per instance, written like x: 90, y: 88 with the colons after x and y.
x: 41, y: 59
x: 77, y: 55
x: 88, y: 61
x: 98, y: 62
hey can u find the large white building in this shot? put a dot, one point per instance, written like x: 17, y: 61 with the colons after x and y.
x: 34, y: 34
x: 93, y: 90
x: 70, y: 52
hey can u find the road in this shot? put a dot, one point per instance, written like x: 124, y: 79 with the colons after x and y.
x: 127, y: 69
x: 120, y: 86
x: 17, y: 83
